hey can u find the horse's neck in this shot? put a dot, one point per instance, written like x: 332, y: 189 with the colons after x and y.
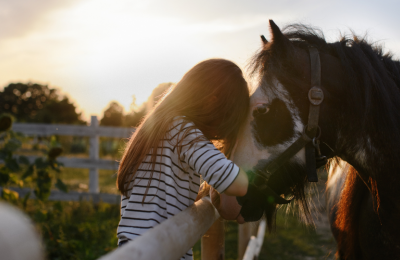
x: 368, y: 151
x: 376, y: 167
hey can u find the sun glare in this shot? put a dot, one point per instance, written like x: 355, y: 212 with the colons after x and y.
x: 99, y: 50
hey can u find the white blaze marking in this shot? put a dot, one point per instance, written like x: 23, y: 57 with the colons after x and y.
x: 249, y: 151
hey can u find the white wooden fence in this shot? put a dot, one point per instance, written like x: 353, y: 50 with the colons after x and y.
x: 172, y: 238
x: 254, y: 247
x: 169, y: 240
x: 93, y: 163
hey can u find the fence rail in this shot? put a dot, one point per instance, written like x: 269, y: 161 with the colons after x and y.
x: 172, y: 238
x: 75, y: 130
x: 94, y: 131
x: 56, y: 195
x: 74, y: 162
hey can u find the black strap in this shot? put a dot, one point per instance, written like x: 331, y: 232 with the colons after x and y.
x: 311, y: 164
x: 315, y: 96
x: 275, y: 164
x: 309, y: 138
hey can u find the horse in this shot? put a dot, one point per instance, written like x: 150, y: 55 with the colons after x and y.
x: 355, y: 100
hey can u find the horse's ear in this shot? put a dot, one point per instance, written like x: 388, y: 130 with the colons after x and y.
x: 285, y: 51
x: 280, y: 44
x: 263, y: 39
x: 277, y: 35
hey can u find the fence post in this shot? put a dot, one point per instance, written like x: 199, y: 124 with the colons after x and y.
x: 213, y: 242
x: 246, y: 231
x: 94, y: 156
x: 255, y: 244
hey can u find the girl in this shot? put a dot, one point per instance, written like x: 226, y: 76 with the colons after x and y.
x: 159, y: 174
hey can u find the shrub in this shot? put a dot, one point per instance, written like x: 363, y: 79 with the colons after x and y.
x: 75, y: 230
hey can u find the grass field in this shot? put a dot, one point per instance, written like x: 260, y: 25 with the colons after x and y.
x: 78, y: 180
x: 82, y: 230
x: 291, y: 241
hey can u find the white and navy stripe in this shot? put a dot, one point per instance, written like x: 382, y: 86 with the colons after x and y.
x: 175, y: 181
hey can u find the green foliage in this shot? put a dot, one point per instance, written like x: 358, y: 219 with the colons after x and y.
x: 39, y: 171
x: 111, y: 147
x: 79, y: 144
x: 67, y: 234
x: 10, y: 195
x: 113, y: 115
x: 81, y: 230
x: 133, y: 118
x: 43, y: 184
x: 59, y: 111
x: 159, y: 92
x: 75, y: 230
x: 77, y: 179
x: 5, y: 123
x: 292, y: 240
x: 61, y: 185
x: 37, y: 103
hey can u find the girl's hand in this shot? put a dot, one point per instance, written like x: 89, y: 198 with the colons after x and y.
x: 227, y: 206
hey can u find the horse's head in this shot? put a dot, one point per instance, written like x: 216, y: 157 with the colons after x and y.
x: 279, y: 112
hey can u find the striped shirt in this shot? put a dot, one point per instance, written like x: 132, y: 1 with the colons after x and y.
x: 175, y: 181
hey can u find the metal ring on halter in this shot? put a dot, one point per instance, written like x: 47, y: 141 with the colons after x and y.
x: 318, y: 135
x: 314, y: 142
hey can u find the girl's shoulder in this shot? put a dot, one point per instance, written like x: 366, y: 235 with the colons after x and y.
x: 179, y: 123
x: 181, y: 127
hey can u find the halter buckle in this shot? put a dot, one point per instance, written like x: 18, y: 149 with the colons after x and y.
x: 316, y: 96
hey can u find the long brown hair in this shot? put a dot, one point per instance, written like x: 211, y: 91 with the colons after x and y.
x: 213, y: 95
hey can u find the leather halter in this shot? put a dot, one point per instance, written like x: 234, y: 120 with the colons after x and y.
x: 311, y: 133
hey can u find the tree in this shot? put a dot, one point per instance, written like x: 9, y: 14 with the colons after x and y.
x: 38, y: 103
x: 137, y: 113
x: 113, y: 115
x: 59, y: 112
x: 157, y: 93
x: 133, y: 118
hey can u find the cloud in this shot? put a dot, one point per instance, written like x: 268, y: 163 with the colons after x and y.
x: 90, y: 46
x: 18, y: 17
x: 230, y: 13
x: 378, y: 18
x: 209, y: 10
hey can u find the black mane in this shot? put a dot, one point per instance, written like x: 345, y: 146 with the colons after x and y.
x: 362, y: 95
x: 372, y: 90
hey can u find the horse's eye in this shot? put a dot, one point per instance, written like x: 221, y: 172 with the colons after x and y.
x: 260, y: 110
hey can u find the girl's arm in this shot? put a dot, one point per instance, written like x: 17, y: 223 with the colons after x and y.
x: 205, y: 159
x: 239, y: 185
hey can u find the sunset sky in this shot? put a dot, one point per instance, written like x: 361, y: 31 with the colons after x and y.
x: 101, y: 50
